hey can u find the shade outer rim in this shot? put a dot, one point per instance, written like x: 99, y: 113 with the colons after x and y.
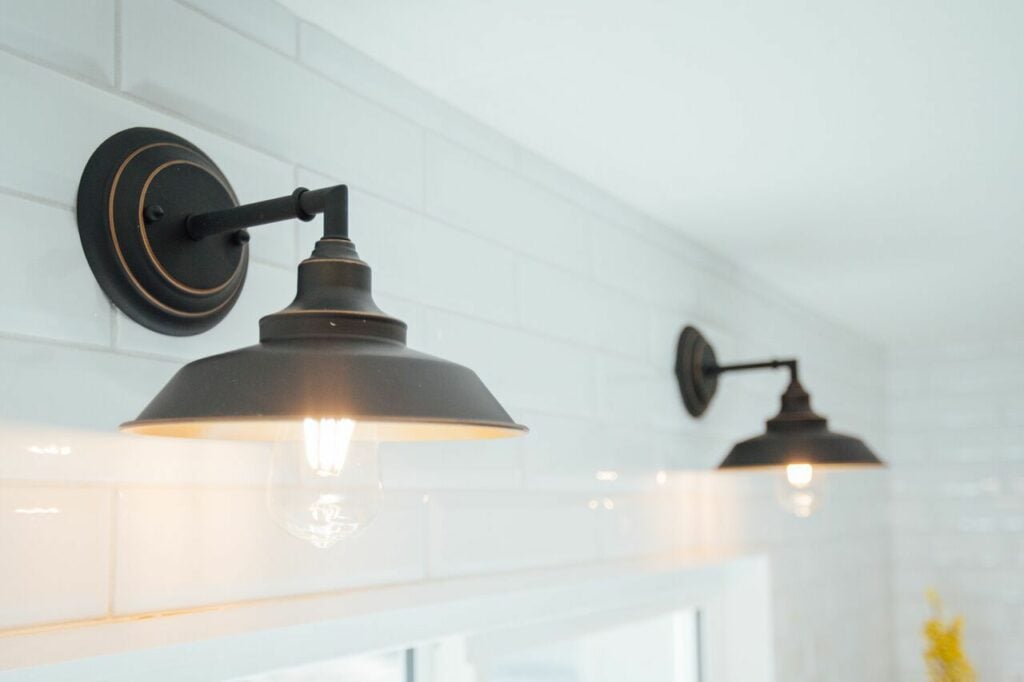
x: 817, y: 447
x: 135, y: 426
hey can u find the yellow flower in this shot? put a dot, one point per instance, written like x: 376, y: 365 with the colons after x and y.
x: 944, y: 657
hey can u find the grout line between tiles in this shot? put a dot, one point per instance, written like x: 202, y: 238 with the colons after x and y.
x: 292, y: 56
x: 35, y: 198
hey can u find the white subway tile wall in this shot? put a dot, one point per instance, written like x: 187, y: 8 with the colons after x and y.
x: 957, y: 489
x: 41, y: 529
x: 566, y: 302
x: 181, y: 548
x: 77, y: 37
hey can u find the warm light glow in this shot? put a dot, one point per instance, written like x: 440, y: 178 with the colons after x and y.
x: 799, y: 475
x: 50, y: 449
x: 327, y: 442
x: 604, y: 475
x: 661, y: 478
x: 801, y: 489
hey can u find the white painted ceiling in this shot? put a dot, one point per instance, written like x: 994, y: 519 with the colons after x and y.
x: 866, y: 156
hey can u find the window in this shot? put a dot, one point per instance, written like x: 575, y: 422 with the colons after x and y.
x: 388, y: 667
x: 663, y: 648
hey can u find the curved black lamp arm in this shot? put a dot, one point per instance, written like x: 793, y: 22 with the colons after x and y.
x: 303, y: 204
x: 791, y: 365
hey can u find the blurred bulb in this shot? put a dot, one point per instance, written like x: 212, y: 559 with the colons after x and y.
x: 800, y: 490
x: 799, y: 475
x: 325, y: 487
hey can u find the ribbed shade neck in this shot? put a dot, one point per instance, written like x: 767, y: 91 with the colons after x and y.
x: 796, y: 413
x: 334, y: 299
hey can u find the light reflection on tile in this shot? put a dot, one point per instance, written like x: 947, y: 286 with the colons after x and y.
x: 56, y: 544
x: 51, y: 449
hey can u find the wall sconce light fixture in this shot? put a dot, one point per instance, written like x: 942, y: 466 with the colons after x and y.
x: 796, y: 438
x: 331, y: 376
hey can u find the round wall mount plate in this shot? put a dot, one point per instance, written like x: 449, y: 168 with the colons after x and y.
x: 136, y: 192
x: 693, y: 356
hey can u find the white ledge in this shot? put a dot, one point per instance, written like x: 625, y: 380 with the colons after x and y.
x: 246, y: 638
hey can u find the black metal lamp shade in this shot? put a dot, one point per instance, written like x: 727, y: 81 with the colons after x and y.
x: 331, y: 354
x: 264, y: 392
x: 796, y: 435
x: 799, y: 436
x: 818, y: 448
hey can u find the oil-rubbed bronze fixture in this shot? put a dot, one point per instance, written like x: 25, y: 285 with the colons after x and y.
x: 167, y: 241
x: 796, y: 438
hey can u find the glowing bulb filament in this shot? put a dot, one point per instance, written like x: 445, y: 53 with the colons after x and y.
x: 799, y: 475
x: 327, y: 442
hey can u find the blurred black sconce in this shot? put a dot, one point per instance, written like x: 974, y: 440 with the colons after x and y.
x: 796, y: 438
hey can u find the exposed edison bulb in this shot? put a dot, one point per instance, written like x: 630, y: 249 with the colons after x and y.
x: 326, y: 486
x: 326, y: 443
x: 800, y: 489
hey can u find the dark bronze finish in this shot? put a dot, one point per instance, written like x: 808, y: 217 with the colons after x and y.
x: 136, y: 192
x: 332, y: 353
x: 303, y: 204
x: 153, y: 213
x: 694, y: 359
x: 795, y: 435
